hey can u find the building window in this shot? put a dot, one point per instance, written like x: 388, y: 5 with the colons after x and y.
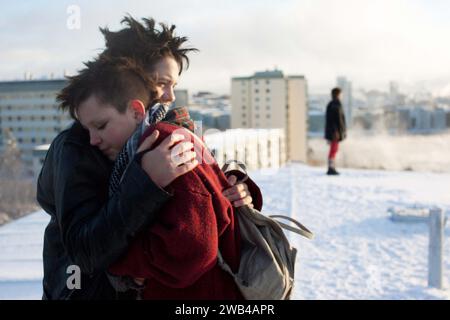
x: 257, y: 99
x: 267, y: 90
x: 44, y: 140
x: 9, y: 107
x: 267, y: 107
x: 256, y: 91
x: 19, y: 129
x: 257, y: 116
x: 267, y: 81
x: 20, y: 140
x: 267, y: 99
x: 244, y: 115
x: 43, y: 118
x: 9, y: 118
x: 244, y: 123
x: 33, y: 140
x: 243, y: 107
x: 19, y: 118
x: 268, y: 116
x: 32, y: 118
x: 256, y: 81
x: 257, y: 107
x: 243, y: 91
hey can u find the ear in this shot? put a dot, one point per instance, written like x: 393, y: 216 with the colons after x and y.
x: 138, y: 109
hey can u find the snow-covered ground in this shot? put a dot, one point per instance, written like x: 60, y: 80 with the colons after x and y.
x: 357, y: 253
x: 21, y: 257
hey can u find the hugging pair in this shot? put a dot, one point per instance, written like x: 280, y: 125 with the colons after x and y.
x: 127, y: 194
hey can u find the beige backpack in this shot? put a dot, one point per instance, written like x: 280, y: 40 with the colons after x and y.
x: 267, y: 263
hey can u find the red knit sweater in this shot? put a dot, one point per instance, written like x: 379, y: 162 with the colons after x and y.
x: 177, y: 255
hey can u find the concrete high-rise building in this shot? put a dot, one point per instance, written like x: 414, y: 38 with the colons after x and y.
x: 28, y: 111
x: 271, y: 100
x: 347, y: 98
x: 393, y: 89
x: 393, y: 92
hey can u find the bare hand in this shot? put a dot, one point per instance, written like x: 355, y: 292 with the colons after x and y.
x: 238, y: 194
x: 164, y: 163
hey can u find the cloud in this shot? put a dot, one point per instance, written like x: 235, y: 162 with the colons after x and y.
x: 371, y: 42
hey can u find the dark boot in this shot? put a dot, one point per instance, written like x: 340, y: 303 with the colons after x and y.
x: 332, y: 172
x: 331, y: 168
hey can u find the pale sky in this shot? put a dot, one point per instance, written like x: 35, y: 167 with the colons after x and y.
x: 370, y: 42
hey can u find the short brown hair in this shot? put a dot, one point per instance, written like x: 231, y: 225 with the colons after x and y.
x: 335, y: 92
x: 112, y: 80
x: 144, y: 43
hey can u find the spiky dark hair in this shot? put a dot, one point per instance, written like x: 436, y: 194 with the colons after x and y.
x: 145, y: 43
x: 115, y: 81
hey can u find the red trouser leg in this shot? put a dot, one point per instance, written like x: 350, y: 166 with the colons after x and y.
x: 334, y: 147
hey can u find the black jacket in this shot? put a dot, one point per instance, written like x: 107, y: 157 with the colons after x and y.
x: 335, y: 121
x: 86, y: 229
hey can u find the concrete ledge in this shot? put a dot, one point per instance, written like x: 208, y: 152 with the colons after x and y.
x: 413, y: 214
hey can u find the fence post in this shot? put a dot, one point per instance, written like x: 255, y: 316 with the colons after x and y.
x: 435, y: 250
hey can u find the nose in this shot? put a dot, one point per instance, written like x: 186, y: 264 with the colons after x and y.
x: 95, y: 139
x: 168, y: 95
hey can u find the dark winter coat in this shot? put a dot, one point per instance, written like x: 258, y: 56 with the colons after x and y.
x: 177, y: 255
x: 335, y: 121
x: 85, y: 228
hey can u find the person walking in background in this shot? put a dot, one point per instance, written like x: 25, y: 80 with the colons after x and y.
x: 335, y: 128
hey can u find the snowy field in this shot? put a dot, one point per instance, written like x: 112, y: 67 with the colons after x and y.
x: 357, y: 253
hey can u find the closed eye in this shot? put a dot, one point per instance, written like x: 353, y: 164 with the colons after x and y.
x: 101, y: 127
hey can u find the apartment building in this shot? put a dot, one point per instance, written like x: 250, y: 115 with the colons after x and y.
x: 270, y: 100
x: 28, y: 111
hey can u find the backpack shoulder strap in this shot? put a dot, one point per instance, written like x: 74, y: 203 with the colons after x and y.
x: 301, y: 230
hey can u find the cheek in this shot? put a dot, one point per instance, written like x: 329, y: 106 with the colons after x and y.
x: 123, y: 132
x: 159, y: 92
x: 116, y: 137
